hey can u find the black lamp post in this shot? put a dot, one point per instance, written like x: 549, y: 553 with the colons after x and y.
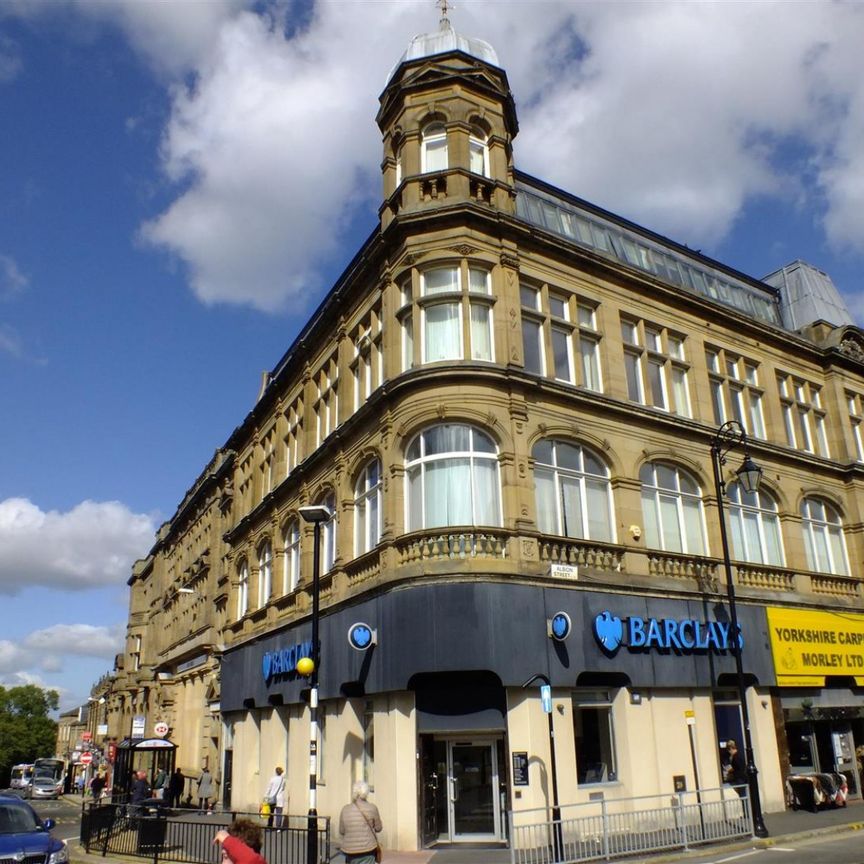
x: 728, y: 437
x: 317, y: 515
x: 558, y: 841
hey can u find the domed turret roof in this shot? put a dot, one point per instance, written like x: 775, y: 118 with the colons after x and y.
x: 443, y: 40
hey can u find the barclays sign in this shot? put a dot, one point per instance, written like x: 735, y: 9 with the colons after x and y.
x: 684, y: 636
x: 282, y: 663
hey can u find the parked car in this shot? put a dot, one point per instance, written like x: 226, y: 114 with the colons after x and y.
x: 26, y: 837
x: 45, y: 787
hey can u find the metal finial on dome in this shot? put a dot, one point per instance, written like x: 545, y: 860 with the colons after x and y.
x: 444, y: 6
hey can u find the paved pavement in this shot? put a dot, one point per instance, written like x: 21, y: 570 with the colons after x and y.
x: 783, y: 828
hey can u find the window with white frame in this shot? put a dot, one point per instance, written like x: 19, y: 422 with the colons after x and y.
x: 735, y: 391
x: 367, y: 508
x: 454, y: 307
x: 823, y: 537
x: 136, y: 653
x: 405, y: 316
x: 559, y: 336
x: 854, y: 403
x: 452, y: 478
x: 594, y: 734
x: 293, y: 438
x: 655, y: 366
x: 327, y: 403
x: 328, y: 534
x: 672, y: 509
x: 268, y: 463
x: 803, y: 415
x: 478, y: 152
x: 366, y: 367
x: 433, y: 151
x: 291, y: 540
x: 755, y: 526
x: 242, y: 589
x: 265, y: 574
x: 573, y: 493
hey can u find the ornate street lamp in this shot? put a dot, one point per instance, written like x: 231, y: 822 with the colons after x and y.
x: 317, y: 515
x: 730, y: 436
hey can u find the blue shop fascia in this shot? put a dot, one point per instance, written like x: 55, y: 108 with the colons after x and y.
x: 402, y: 639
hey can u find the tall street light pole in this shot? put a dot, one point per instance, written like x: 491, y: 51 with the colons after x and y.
x: 730, y: 436
x: 317, y: 515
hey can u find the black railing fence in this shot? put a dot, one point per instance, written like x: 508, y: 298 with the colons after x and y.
x: 157, y: 833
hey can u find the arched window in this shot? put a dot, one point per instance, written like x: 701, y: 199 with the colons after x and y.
x: 242, y: 589
x: 478, y: 150
x: 452, y: 478
x: 755, y: 526
x: 433, y: 155
x: 367, y: 508
x: 265, y: 574
x: 574, y: 498
x: 672, y: 509
x: 823, y: 537
x: 291, y: 540
x: 328, y: 534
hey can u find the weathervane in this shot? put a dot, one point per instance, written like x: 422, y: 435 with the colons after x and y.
x: 444, y: 6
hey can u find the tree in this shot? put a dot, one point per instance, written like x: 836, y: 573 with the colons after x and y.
x: 26, y: 730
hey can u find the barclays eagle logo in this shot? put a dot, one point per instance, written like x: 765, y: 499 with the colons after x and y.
x: 609, y: 631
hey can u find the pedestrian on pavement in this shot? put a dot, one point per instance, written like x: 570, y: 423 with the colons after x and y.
x: 241, y: 843
x: 141, y: 793
x: 274, y: 796
x: 159, y: 783
x: 97, y: 787
x: 734, y: 772
x: 205, y: 790
x: 79, y: 784
x: 176, y: 784
x: 359, y: 823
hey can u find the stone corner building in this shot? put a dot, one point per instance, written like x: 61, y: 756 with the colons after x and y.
x: 508, y: 401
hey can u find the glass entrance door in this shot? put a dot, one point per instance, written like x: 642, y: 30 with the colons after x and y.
x: 473, y: 801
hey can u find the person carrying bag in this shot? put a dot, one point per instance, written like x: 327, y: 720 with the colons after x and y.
x: 359, y: 823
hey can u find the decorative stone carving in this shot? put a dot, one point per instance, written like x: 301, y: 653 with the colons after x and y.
x: 851, y: 346
x: 510, y: 261
x: 464, y: 249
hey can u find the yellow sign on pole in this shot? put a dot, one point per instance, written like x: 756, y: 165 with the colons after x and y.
x: 807, y: 646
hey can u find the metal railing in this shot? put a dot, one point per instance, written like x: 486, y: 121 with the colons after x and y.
x: 615, y: 828
x: 187, y: 836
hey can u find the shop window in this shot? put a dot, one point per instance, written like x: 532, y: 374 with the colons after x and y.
x: 367, y: 508
x: 823, y: 537
x: 452, y: 478
x: 594, y: 733
x: 573, y: 493
x: 672, y: 509
x: 755, y: 526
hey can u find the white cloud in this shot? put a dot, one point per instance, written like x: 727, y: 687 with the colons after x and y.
x: 10, y: 59
x: 90, y: 545
x: 10, y: 341
x: 12, y: 280
x: 677, y: 114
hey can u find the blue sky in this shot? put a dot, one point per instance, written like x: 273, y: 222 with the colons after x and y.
x: 181, y: 181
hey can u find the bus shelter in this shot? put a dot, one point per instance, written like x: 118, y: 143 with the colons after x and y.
x: 140, y: 754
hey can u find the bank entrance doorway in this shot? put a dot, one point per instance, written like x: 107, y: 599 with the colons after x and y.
x: 463, y: 789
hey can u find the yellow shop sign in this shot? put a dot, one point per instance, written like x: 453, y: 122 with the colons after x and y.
x: 807, y: 646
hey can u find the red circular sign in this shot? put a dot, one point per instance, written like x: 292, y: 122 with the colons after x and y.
x: 161, y: 729
x: 86, y: 758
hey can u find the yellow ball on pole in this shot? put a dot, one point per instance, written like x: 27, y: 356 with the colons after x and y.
x: 305, y: 666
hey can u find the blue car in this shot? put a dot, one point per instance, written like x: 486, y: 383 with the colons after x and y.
x: 25, y: 837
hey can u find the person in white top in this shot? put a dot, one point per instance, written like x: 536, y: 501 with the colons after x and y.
x: 275, y: 797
